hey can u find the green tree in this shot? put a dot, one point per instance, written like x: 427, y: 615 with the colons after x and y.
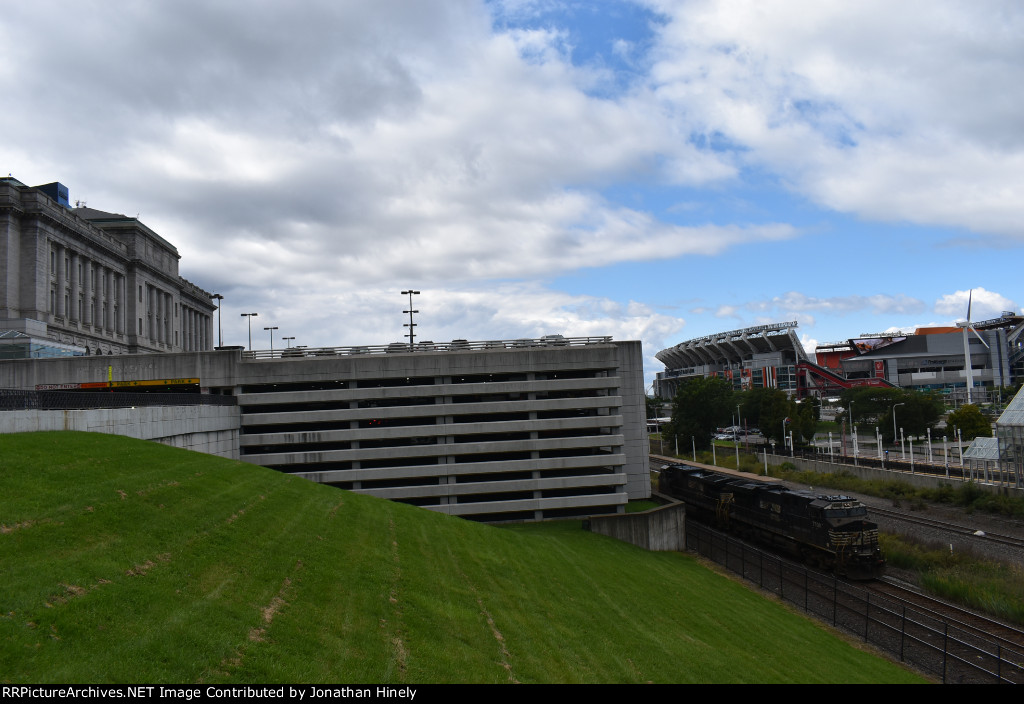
x: 971, y: 422
x: 915, y: 411
x: 701, y: 405
x: 653, y: 406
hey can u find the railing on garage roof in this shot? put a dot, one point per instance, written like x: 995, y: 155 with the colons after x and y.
x: 425, y: 346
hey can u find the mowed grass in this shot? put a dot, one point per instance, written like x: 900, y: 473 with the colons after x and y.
x: 127, y: 561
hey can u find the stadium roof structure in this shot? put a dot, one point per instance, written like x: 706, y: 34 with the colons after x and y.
x: 734, y: 346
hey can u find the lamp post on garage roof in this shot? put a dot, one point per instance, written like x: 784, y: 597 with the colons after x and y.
x: 250, y: 316
x: 220, y: 333
x: 271, y: 329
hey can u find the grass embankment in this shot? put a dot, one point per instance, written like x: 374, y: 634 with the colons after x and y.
x: 994, y: 588
x: 126, y: 561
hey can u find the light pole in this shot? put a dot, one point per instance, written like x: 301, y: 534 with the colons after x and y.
x: 288, y: 340
x: 220, y: 333
x: 736, y: 442
x: 250, y: 316
x: 271, y: 329
x: 945, y: 454
x: 853, y: 432
x: 878, y: 441
x: 410, y: 324
x: 894, y: 434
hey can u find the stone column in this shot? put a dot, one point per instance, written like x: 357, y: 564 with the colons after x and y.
x: 76, y: 294
x: 105, y: 285
x: 87, y: 291
x: 151, y: 313
x: 168, y: 320
x: 61, y: 276
x: 158, y: 301
x: 121, y: 307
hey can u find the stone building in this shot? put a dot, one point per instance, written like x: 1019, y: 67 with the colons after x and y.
x: 82, y: 281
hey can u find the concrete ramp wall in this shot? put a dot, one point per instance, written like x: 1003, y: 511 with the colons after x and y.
x: 662, y: 528
x: 209, y: 429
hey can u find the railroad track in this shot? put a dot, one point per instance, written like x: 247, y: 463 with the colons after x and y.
x: 949, y: 527
x: 973, y: 643
x: 977, y: 627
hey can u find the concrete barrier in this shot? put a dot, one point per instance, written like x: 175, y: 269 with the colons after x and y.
x: 209, y: 429
x: 662, y: 528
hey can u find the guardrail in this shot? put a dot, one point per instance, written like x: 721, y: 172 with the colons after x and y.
x: 426, y: 346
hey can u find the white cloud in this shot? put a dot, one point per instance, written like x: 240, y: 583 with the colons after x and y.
x: 893, y: 112
x: 984, y: 304
x: 794, y: 302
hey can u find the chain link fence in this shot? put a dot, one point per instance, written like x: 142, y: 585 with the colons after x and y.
x: 923, y: 640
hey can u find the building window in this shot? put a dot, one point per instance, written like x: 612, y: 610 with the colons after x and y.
x: 53, y: 262
x: 140, y: 296
x: 140, y: 326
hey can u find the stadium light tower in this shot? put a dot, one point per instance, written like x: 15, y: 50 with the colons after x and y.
x: 410, y: 324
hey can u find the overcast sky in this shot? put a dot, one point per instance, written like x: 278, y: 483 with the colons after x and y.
x: 648, y: 170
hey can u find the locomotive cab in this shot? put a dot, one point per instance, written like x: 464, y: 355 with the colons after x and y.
x: 852, y: 537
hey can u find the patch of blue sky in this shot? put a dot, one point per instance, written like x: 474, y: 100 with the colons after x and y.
x: 612, y: 37
x: 829, y: 119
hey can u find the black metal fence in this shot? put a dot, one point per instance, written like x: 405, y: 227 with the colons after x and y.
x: 907, y: 632
x: 18, y: 400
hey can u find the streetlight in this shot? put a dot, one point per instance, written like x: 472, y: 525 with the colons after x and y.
x: 250, y: 316
x: 736, y: 442
x: 220, y: 333
x: 272, y: 329
x: 288, y: 340
x: 894, y: 434
x: 853, y: 434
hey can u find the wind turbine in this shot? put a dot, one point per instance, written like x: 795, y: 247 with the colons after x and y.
x: 966, y: 325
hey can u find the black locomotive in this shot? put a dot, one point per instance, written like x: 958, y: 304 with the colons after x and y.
x: 832, y: 532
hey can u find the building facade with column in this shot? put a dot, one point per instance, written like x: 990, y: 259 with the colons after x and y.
x: 92, y: 282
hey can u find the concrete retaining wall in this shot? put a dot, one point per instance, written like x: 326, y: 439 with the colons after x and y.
x: 209, y: 429
x: 661, y: 528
